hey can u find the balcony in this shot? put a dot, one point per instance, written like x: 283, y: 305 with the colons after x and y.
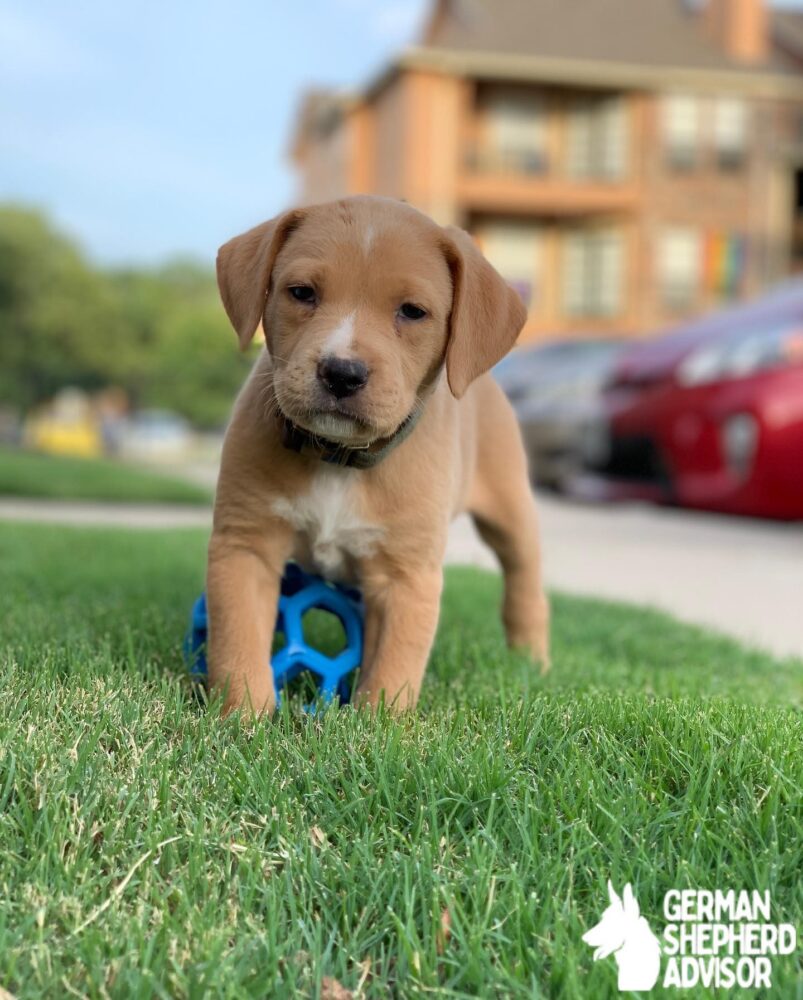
x: 519, y: 162
x: 523, y: 181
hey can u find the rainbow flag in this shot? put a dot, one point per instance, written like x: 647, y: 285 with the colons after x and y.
x: 724, y: 264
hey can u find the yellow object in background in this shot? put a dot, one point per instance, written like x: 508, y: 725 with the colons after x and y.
x: 80, y: 440
x: 67, y: 426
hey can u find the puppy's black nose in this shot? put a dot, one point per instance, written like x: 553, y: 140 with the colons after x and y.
x: 342, y: 376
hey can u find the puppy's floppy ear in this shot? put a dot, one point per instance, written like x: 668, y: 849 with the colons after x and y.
x: 487, y: 314
x: 244, y: 267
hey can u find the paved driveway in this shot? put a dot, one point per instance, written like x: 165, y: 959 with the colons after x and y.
x: 739, y: 576
x: 742, y: 577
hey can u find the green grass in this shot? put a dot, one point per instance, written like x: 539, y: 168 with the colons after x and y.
x: 150, y: 849
x: 28, y: 474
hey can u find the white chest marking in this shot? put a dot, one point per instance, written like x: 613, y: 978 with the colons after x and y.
x: 328, y: 522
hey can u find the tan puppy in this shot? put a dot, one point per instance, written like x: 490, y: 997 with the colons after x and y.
x: 365, y: 426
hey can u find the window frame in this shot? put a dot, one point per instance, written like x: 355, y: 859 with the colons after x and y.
x: 691, y: 289
x: 681, y: 135
x: 589, y: 246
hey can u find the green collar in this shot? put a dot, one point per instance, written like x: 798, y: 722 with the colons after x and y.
x: 297, y: 439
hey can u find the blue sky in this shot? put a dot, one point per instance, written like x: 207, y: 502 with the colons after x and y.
x: 160, y: 128
x: 156, y: 128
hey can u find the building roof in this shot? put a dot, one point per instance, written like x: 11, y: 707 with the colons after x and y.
x: 787, y: 31
x: 320, y: 110
x: 654, y: 32
x: 648, y: 44
x: 630, y: 44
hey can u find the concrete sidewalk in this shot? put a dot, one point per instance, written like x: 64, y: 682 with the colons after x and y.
x: 739, y: 576
x: 742, y: 577
x: 117, y: 515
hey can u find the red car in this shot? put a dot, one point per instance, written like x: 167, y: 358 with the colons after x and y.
x: 709, y: 416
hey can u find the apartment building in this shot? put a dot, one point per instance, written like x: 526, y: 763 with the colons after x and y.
x: 623, y: 163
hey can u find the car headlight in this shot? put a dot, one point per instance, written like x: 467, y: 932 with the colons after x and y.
x: 742, y: 356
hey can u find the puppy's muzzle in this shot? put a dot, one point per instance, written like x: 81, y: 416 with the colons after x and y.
x: 342, y: 377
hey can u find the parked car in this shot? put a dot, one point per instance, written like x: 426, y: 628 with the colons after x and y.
x: 155, y: 435
x: 709, y: 416
x: 554, y: 390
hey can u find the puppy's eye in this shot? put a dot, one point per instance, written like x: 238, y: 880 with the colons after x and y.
x: 410, y: 311
x: 303, y: 293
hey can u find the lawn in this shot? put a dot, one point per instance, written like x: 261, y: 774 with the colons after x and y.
x: 150, y: 849
x: 28, y: 474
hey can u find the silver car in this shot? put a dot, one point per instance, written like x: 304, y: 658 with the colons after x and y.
x: 554, y: 389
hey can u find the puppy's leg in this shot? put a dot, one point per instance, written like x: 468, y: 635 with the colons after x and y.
x: 525, y: 610
x: 503, y: 509
x: 243, y: 580
x: 401, y: 619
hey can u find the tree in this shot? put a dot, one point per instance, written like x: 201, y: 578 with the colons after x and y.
x: 59, y: 322
x: 159, y: 334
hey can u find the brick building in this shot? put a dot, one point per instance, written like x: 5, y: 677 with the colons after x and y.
x: 624, y: 163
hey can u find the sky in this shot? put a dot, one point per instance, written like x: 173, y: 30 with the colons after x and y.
x: 158, y: 129
x: 155, y: 129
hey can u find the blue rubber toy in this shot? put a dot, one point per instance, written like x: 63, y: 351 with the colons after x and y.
x: 300, y: 592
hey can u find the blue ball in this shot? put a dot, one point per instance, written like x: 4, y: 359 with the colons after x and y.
x: 300, y: 592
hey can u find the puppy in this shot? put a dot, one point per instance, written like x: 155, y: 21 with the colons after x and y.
x: 365, y: 426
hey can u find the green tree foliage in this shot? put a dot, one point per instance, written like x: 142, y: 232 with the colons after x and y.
x: 59, y: 321
x: 159, y: 334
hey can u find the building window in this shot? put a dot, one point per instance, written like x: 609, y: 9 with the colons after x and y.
x: 516, y: 251
x: 681, y: 114
x: 598, y: 139
x: 517, y: 135
x: 730, y: 132
x: 593, y: 272
x: 681, y: 268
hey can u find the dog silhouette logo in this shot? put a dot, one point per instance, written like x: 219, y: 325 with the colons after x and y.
x: 625, y: 934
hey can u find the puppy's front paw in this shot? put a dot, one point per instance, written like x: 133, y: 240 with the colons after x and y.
x: 534, y: 643
x: 239, y: 698
x: 396, y: 702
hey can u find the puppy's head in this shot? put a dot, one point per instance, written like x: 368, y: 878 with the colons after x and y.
x: 362, y: 302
